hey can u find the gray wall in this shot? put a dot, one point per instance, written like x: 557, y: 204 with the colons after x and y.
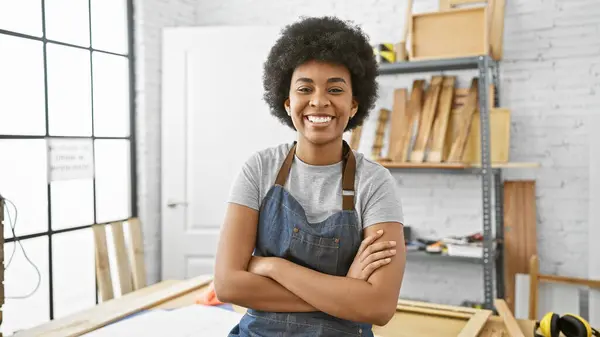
x: 550, y: 75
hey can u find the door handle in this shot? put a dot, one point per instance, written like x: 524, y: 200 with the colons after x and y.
x: 173, y: 204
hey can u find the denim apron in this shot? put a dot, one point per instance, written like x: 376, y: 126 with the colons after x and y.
x: 328, y: 247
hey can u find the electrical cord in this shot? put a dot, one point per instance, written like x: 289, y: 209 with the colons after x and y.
x: 13, y: 225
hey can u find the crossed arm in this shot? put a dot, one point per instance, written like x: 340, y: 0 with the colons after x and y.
x: 275, y: 284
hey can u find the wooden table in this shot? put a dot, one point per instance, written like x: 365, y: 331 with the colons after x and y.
x: 175, y: 294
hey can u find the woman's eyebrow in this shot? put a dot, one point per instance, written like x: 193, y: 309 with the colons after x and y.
x: 331, y: 80
x: 336, y: 79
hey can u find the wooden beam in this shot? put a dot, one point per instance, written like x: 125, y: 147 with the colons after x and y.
x: 466, y: 117
x: 103, y: 275
x: 123, y: 266
x: 427, y: 117
x: 475, y: 324
x: 136, y: 253
x: 569, y: 280
x: 94, y: 318
x: 509, y: 320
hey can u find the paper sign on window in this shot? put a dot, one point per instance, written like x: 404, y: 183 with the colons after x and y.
x: 70, y: 158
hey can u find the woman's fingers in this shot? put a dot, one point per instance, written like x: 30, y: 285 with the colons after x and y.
x: 381, y: 255
x: 368, y: 241
x: 371, y: 267
x: 376, y: 247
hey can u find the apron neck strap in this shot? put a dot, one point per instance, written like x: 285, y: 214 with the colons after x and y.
x: 348, y: 174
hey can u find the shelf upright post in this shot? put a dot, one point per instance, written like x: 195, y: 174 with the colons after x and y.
x: 499, y: 198
x: 486, y: 182
x: 499, y: 257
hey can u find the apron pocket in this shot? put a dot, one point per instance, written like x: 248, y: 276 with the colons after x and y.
x: 316, y: 252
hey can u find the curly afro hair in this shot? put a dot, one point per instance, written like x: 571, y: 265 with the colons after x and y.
x: 327, y: 39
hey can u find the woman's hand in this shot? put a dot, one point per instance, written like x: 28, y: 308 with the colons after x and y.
x: 371, y: 256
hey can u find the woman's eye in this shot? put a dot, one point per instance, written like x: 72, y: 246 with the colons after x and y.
x: 304, y: 89
x: 336, y: 90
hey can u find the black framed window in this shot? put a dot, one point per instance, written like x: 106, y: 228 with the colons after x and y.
x: 67, y: 148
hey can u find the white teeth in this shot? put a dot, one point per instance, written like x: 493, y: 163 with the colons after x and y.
x: 316, y: 119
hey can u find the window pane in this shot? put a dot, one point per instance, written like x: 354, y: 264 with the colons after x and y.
x: 69, y: 91
x: 73, y: 273
x: 111, y: 95
x: 109, y: 25
x: 112, y: 180
x: 68, y: 21
x: 22, y: 109
x: 23, y: 16
x: 72, y: 203
x: 20, y: 279
x: 23, y: 181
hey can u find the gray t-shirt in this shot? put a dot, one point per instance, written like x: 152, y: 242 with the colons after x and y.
x: 319, y: 188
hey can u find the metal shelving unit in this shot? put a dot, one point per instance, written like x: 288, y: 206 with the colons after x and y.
x: 491, y: 178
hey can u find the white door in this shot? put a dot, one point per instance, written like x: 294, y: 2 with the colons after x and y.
x: 213, y: 119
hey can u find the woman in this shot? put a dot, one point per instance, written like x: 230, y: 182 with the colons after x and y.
x: 324, y: 222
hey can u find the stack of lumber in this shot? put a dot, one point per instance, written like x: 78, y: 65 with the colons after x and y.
x: 437, y: 122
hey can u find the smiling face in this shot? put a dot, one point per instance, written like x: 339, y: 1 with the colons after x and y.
x: 320, y: 101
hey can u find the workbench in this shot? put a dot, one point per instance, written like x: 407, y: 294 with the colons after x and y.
x: 412, y: 319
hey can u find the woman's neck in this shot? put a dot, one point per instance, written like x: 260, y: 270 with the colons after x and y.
x: 319, y: 154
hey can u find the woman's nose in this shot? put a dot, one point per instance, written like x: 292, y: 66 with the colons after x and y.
x: 319, y: 101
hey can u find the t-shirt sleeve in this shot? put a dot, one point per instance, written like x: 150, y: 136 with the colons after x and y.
x: 245, y: 189
x: 383, y: 204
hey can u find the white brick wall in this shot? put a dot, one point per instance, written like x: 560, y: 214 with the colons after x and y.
x: 550, y: 75
x: 151, y: 16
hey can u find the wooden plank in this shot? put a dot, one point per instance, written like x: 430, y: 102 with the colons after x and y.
x: 388, y: 163
x: 136, y: 253
x: 434, y: 312
x: 91, y: 319
x: 466, y: 117
x: 355, y: 137
x: 103, y: 275
x: 438, y: 306
x: 442, y: 119
x: 415, y: 105
x: 398, y: 123
x: 380, y: 133
x: 425, y: 165
x: 497, y: 8
x: 475, y: 324
x: 123, y: 266
x: 427, y: 118
x: 509, y: 319
x: 520, y: 238
x: 499, y: 137
x: 570, y: 280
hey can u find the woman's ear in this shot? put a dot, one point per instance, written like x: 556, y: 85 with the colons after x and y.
x: 286, y: 105
x: 354, y: 108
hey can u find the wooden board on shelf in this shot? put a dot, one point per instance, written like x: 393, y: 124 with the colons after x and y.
x: 384, y: 115
x: 499, y: 137
x: 447, y: 34
x: 413, y: 116
x: 355, y: 137
x: 442, y: 119
x: 399, y: 123
x: 427, y: 118
x: 465, y: 119
x: 387, y: 163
